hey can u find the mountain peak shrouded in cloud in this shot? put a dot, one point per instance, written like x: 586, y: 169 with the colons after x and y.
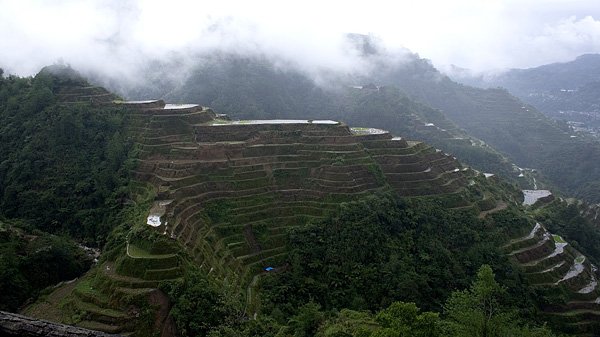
x: 63, y: 73
x: 119, y: 37
x: 365, y: 45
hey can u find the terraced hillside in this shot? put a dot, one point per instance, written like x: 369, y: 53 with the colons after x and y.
x: 552, y: 264
x: 254, y: 88
x: 83, y: 94
x: 120, y: 294
x: 209, y: 192
x: 228, y: 191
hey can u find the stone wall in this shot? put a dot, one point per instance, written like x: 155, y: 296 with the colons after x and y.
x: 22, y: 326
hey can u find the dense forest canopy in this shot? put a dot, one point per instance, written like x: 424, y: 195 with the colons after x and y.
x: 62, y: 164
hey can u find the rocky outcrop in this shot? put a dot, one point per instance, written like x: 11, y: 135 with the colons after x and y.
x: 22, y: 326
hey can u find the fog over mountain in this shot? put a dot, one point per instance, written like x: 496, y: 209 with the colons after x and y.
x: 119, y: 38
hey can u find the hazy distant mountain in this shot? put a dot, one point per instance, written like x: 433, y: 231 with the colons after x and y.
x: 547, y: 78
x: 567, y: 91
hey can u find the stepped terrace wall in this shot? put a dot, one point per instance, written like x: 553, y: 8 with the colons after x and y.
x: 553, y: 266
x: 83, y: 94
x: 248, y: 171
x: 233, y: 188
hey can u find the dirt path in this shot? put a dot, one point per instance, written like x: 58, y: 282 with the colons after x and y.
x: 501, y: 205
x: 250, y: 304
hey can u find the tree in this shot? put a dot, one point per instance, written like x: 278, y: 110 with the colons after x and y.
x: 199, y: 306
x: 404, y: 320
x: 307, y: 321
x: 479, y: 312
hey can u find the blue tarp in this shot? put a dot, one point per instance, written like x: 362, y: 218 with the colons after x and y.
x: 269, y: 268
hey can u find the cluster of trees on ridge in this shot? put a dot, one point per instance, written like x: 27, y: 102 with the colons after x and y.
x: 479, y: 310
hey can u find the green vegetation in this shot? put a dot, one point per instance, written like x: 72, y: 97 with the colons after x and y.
x: 479, y: 311
x: 482, y: 311
x: 63, y: 165
x: 199, y: 304
x: 31, y: 260
x: 558, y: 239
x: 62, y: 171
x: 414, y: 245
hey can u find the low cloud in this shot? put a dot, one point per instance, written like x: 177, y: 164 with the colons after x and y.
x: 119, y: 38
x: 571, y: 36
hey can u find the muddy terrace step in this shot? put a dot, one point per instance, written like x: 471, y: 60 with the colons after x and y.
x: 425, y: 156
x: 560, y: 253
x: 102, y: 315
x: 534, y: 234
x: 401, y: 151
x: 279, y: 203
x: 141, y: 105
x: 97, y: 326
x: 306, y: 139
x: 573, y: 316
x: 544, y: 247
x: 430, y: 173
x: 395, y: 142
x: 550, y: 275
x: 418, y: 166
x: 237, y: 132
x: 429, y: 191
x: 439, y: 179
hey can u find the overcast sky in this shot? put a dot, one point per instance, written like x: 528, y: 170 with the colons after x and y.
x: 120, y: 34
